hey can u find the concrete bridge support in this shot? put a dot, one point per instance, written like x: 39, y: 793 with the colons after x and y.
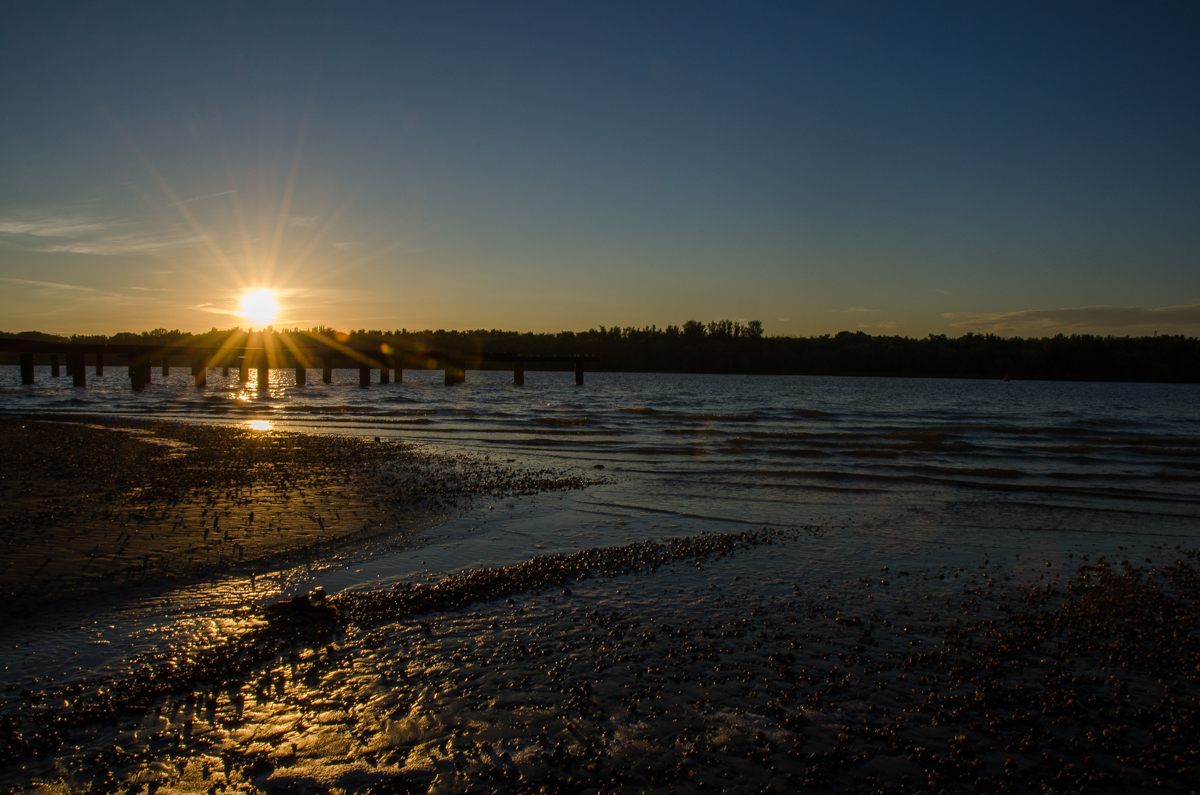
x: 78, y: 369
x: 200, y: 370
x: 455, y: 373
x: 139, y: 374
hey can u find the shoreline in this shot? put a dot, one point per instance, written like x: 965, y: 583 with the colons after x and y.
x: 92, y: 506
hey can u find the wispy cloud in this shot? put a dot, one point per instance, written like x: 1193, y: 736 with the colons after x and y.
x: 216, y: 310
x: 48, y: 285
x: 855, y: 309
x: 49, y: 227
x: 207, y: 196
x: 1085, y: 318
x: 63, y: 297
x: 80, y: 235
x: 124, y: 244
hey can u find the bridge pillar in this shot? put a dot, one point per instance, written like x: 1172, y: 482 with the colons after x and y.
x: 519, y: 373
x: 301, y: 373
x: 99, y: 364
x: 139, y: 374
x: 26, y: 368
x: 54, y: 365
x: 364, y: 374
x: 455, y: 374
x: 78, y: 369
x: 200, y: 369
x: 264, y: 375
x: 383, y: 370
x: 243, y: 370
x: 166, y: 365
x: 578, y: 373
x: 327, y: 372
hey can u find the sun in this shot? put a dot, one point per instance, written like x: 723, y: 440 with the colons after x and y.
x: 260, y: 307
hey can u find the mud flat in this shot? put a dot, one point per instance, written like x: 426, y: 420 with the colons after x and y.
x: 688, y: 665
x: 99, y: 506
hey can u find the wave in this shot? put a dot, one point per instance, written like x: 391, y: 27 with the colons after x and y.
x: 978, y: 472
x: 800, y: 453
x: 1157, y: 450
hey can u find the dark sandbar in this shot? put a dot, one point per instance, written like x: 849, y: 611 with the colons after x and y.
x: 90, y: 507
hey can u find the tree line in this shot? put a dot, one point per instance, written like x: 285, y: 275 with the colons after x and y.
x: 725, y: 346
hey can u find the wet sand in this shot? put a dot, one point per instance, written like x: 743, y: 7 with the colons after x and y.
x: 711, y: 663
x: 656, y: 667
x: 86, y: 507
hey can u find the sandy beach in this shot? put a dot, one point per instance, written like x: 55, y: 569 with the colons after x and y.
x: 89, y: 507
x: 704, y: 663
x: 512, y: 681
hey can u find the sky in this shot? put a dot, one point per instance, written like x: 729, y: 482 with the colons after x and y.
x: 896, y: 168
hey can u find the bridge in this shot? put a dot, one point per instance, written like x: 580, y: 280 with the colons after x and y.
x: 299, y: 352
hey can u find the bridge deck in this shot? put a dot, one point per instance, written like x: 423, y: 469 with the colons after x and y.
x: 138, y: 358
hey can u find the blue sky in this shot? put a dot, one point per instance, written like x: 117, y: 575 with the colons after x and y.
x: 899, y: 168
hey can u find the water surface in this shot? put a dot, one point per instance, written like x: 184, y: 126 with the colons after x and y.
x: 909, y: 473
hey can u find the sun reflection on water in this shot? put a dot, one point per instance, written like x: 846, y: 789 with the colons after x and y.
x: 259, y: 425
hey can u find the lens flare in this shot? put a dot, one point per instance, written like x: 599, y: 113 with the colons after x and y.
x: 260, y: 307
